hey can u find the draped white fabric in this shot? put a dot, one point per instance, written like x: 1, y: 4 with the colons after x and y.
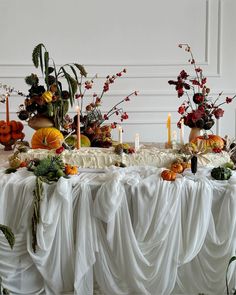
x: 137, y: 233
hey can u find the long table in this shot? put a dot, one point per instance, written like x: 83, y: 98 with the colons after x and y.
x: 126, y: 228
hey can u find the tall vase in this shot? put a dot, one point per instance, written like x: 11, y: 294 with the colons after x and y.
x: 195, y: 132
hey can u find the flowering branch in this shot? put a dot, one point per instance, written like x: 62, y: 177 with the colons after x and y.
x: 202, y: 115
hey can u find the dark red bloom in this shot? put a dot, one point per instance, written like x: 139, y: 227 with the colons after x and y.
x: 195, y: 82
x: 204, y: 80
x: 228, y: 99
x: 181, y: 110
x: 198, y: 70
x: 183, y: 75
x: 216, y: 150
x: 180, y: 92
x: 218, y: 113
x: 198, y: 98
x: 124, y: 116
x: 113, y: 125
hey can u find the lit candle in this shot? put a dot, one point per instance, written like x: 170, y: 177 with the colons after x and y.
x: 181, y: 135
x: 78, y: 128
x: 136, y: 142
x: 168, y: 125
x: 7, y: 109
x: 174, y: 135
x: 120, y: 134
x: 174, y: 139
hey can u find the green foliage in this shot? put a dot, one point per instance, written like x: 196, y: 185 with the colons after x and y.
x: 49, y: 167
x: 47, y: 170
x: 37, y: 56
x: 38, y: 192
x: 40, y: 57
x: 227, y: 270
x: 32, y: 80
x: 8, y: 234
x: 81, y: 69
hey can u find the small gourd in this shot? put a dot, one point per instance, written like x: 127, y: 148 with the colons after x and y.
x: 177, y: 167
x: 71, y: 169
x: 221, y: 173
x: 168, y: 175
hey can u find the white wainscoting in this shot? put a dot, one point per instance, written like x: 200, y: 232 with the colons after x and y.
x: 141, y: 36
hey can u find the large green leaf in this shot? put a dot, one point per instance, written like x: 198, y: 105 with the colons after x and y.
x: 72, y: 85
x: 46, y: 62
x: 227, y: 270
x: 37, y: 56
x: 8, y: 234
x: 81, y: 69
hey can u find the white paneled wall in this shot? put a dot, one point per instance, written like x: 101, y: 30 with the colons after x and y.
x: 141, y: 36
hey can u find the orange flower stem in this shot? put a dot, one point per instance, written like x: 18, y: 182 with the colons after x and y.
x: 7, y: 109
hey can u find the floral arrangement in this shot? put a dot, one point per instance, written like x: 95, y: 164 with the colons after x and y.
x: 94, y: 123
x: 51, y: 100
x: 199, y: 109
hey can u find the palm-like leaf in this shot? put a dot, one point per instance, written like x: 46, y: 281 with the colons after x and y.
x: 81, y: 69
x: 8, y: 234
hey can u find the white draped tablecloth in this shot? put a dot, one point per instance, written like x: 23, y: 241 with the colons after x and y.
x: 135, y: 232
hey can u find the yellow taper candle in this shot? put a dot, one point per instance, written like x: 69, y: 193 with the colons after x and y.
x: 168, y: 125
x: 78, y: 128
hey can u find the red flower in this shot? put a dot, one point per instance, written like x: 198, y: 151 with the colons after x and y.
x: 228, y: 99
x: 218, y: 113
x: 180, y: 92
x: 198, y: 70
x: 124, y: 116
x: 113, y: 125
x: 88, y: 84
x: 195, y: 82
x: 216, y: 150
x: 183, y: 75
x: 198, y: 98
x: 181, y: 110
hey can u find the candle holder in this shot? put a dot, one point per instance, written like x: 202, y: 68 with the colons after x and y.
x: 168, y: 145
x: 8, y: 146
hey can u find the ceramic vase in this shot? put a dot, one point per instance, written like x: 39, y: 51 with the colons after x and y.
x: 194, y: 132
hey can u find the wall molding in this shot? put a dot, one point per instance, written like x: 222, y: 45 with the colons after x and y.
x: 161, y: 70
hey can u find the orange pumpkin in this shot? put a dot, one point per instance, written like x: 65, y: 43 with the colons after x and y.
x: 47, y: 138
x: 13, y: 125
x: 20, y: 126
x: 168, y: 175
x: 5, y: 138
x: 186, y: 165
x: 17, y: 135
x: 2, y: 122
x: 210, y: 141
x: 71, y: 169
x: 5, y: 128
x: 177, y: 167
